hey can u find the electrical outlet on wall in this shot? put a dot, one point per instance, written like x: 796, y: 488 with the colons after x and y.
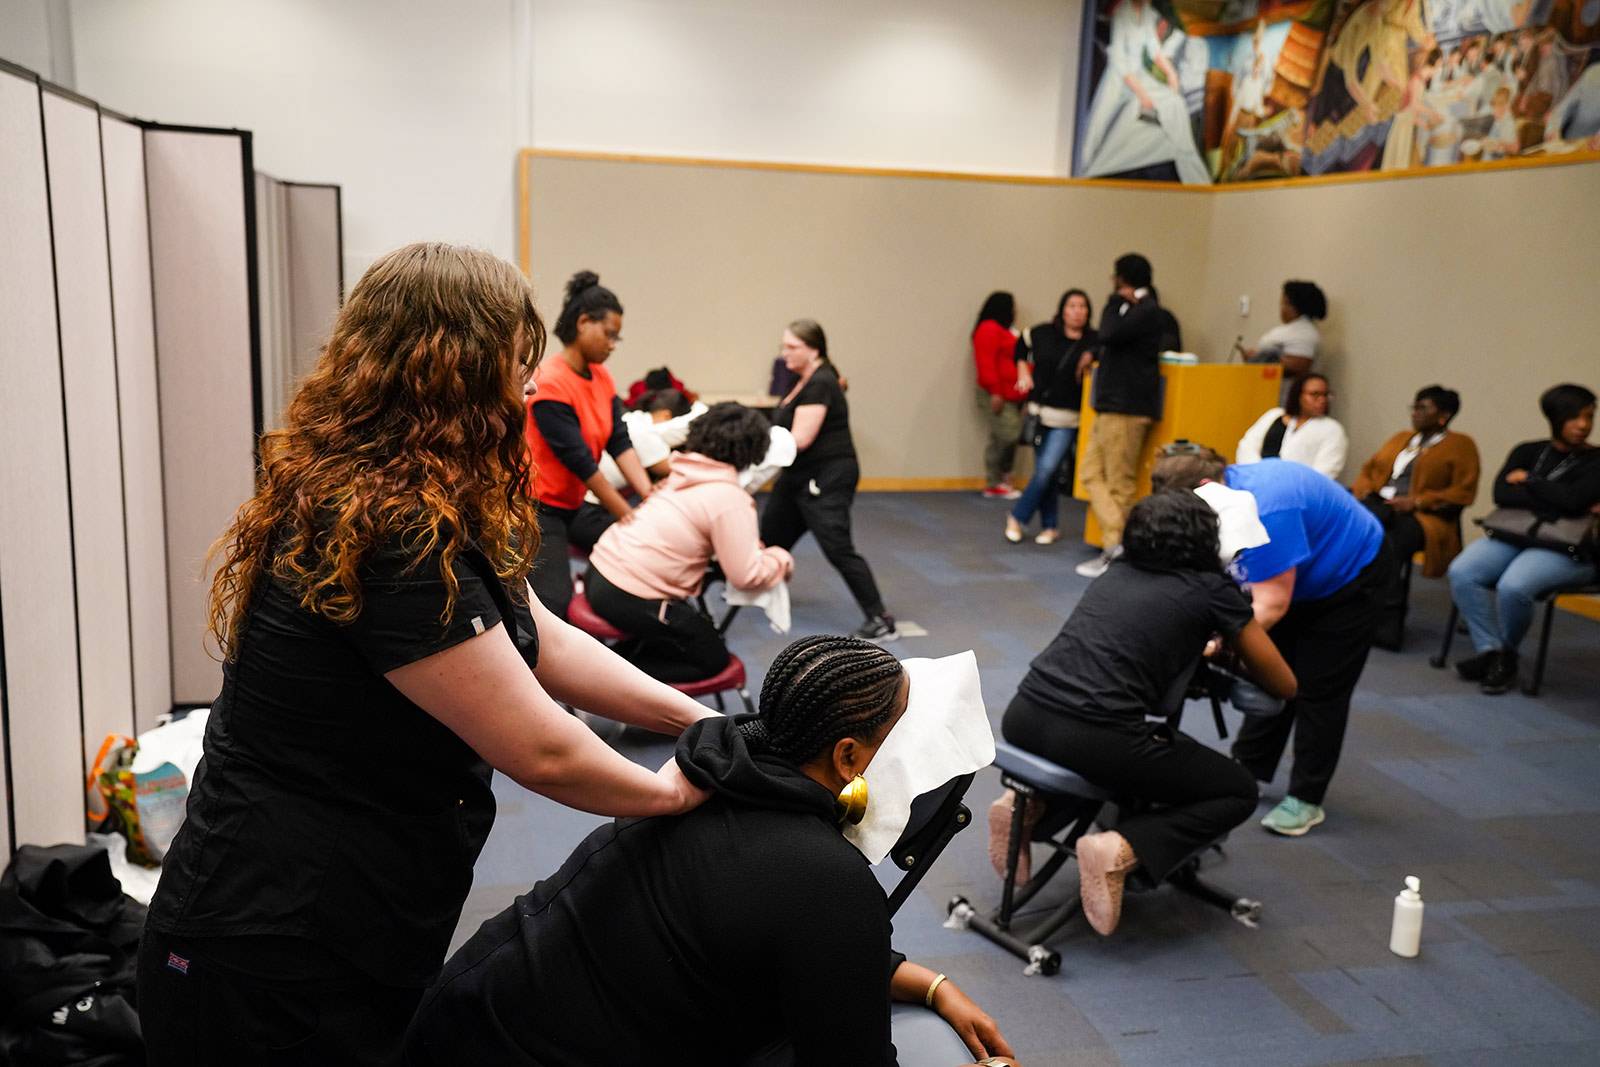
x: 1244, y: 306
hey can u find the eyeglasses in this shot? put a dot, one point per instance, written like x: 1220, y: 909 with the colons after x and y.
x: 1183, y: 448
x: 1314, y: 394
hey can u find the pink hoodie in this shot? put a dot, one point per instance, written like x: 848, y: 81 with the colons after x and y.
x: 698, y: 512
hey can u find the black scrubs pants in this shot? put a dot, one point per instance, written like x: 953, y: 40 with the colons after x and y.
x: 256, y: 1001
x: 669, y: 639
x: 1196, y: 793
x: 1325, y: 642
x: 793, y: 508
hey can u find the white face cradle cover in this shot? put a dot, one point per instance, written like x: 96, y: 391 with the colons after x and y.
x: 781, y: 452
x: 1237, y: 517
x: 944, y: 733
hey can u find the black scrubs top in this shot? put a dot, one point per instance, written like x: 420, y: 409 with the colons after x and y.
x: 328, y: 806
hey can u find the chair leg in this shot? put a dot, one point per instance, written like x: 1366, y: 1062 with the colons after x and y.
x: 1014, y: 846
x: 1449, y: 635
x: 744, y: 695
x: 1531, y: 686
x: 716, y: 698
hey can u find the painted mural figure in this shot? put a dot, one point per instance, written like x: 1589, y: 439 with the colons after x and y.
x: 1399, y: 150
x: 1368, y: 53
x: 1254, y: 89
x: 1138, y: 119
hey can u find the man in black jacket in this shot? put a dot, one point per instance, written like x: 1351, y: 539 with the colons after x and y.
x: 1126, y: 400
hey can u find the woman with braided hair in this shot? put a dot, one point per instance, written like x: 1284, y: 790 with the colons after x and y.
x: 743, y: 926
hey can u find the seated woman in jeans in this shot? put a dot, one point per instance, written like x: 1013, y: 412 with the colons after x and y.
x: 1055, y: 351
x: 1552, y: 478
x: 1087, y: 699
x: 643, y: 570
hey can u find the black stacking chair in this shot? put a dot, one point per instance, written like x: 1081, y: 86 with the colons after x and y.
x: 1075, y: 805
x: 1532, y: 683
x: 920, y: 1036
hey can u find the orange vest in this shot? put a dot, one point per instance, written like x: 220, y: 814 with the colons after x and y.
x: 591, y: 398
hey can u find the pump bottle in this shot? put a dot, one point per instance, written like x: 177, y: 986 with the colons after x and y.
x: 1405, y: 936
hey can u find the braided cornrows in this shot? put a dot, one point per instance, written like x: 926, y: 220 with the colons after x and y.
x: 820, y: 689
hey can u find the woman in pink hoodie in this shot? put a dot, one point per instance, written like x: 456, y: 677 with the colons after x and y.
x: 643, y: 572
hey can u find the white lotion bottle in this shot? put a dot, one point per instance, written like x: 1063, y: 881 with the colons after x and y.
x: 1405, y: 936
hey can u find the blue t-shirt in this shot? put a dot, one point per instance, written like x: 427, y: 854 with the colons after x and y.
x: 1315, y: 525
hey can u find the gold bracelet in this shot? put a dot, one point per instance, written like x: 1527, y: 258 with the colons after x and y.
x: 928, y: 1000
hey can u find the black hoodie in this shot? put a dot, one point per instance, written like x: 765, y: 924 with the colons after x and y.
x: 695, y: 939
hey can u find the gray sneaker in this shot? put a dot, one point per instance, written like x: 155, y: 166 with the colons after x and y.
x: 1094, y: 568
x: 879, y: 628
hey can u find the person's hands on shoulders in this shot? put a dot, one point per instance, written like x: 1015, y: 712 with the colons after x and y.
x: 689, y: 796
x: 970, y: 1022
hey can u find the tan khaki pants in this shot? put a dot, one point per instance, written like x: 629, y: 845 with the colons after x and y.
x: 1111, y: 469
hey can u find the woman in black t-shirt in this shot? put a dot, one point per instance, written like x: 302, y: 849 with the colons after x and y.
x: 1053, y: 353
x: 371, y: 605
x: 1088, y: 700
x: 815, y: 492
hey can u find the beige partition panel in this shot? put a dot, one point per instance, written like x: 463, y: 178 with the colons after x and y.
x: 273, y: 295
x: 42, y: 710
x: 316, y: 270
x: 199, y: 184
x: 128, y: 229
x: 711, y: 262
x: 89, y: 378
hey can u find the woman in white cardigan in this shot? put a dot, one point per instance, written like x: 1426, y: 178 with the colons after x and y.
x: 1301, y: 431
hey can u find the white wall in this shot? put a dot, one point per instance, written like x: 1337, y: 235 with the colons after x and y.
x: 407, y: 104
x: 930, y: 84
x: 25, y: 34
x: 417, y: 108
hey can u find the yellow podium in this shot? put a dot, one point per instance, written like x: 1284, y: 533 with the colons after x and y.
x: 1211, y: 403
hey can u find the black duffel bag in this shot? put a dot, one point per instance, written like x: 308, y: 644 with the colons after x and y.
x: 68, y: 940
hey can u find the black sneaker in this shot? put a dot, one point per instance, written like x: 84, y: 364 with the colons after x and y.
x: 878, y: 628
x: 1473, y: 668
x: 1501, y: 674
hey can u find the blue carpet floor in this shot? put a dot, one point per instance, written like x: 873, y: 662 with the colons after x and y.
x: 1494, y: 802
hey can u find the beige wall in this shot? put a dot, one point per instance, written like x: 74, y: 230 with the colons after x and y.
x: 711, y: 263
x: 1483, y: 281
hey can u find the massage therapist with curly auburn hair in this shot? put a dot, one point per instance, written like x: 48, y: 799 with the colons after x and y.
x: 372, y: 608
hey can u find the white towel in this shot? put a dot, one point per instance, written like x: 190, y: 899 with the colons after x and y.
x: 944, y: 733
x: 781, y: 452
x: 1237, y: 517
x: 774, y: 601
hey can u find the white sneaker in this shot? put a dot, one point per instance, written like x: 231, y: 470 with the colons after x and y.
x: 1094, y: 568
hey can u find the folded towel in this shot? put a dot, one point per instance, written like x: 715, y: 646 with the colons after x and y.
x: 1237, y: 517
x: 774, y: 601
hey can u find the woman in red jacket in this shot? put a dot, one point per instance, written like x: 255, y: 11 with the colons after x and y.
x: 993, y: 350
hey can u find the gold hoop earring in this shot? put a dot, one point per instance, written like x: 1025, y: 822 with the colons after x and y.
x: 851, y: 805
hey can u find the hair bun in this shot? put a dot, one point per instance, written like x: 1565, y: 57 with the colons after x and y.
x: 584, y: 279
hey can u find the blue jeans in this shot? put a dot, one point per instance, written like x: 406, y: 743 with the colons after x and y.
x: 1516, y: 577
x: 1041, y: 494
